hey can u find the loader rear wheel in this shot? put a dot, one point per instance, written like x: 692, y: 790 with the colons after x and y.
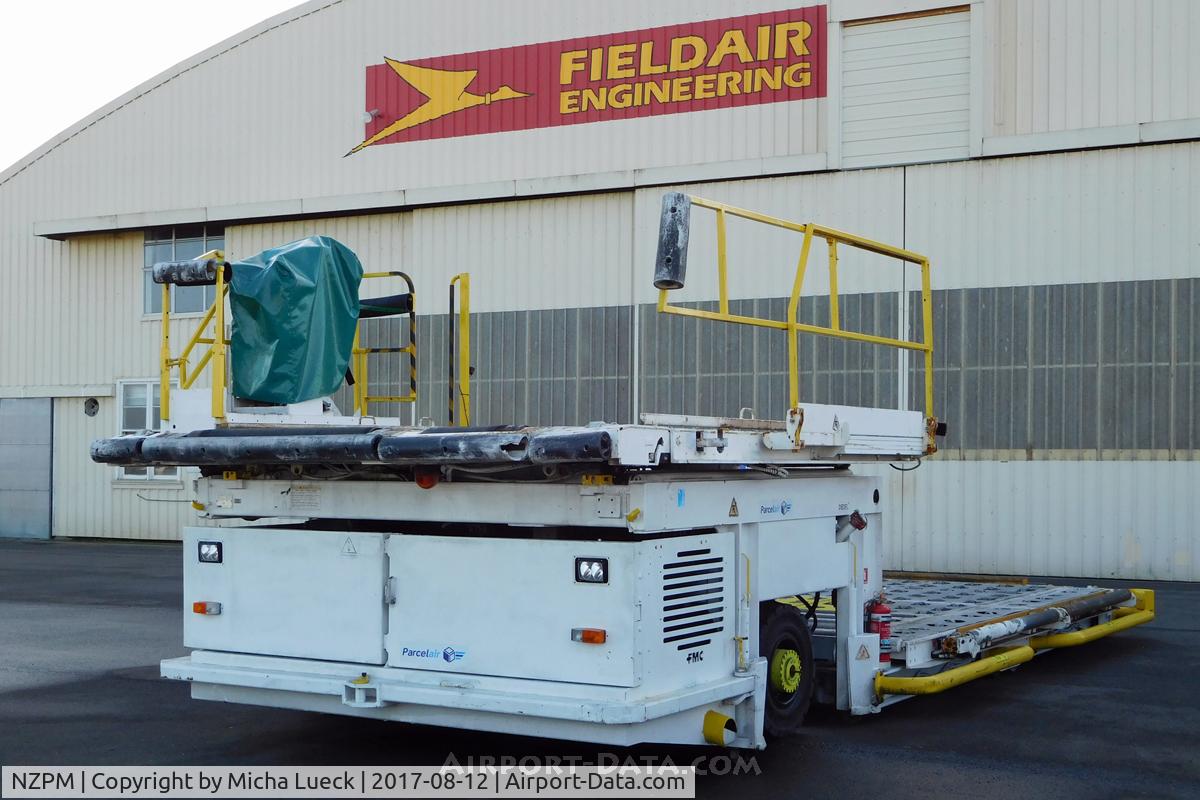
x: 786, y: 642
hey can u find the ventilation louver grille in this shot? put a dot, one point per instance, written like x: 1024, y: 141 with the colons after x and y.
x: 693, y: 609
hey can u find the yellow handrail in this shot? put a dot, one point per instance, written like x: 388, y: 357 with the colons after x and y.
x: 792, y: 325
x: 217, y: 345
x: 358, y: 355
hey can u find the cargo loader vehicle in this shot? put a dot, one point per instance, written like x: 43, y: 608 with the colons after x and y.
x: 677, y: 579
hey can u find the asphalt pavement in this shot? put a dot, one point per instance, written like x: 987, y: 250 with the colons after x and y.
x: 84, y: 624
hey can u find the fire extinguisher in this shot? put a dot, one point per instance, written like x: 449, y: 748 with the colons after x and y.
x: 880, y: 622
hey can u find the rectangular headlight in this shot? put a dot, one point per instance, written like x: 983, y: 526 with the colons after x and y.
x: 210, y: 552
x: 591, y: 570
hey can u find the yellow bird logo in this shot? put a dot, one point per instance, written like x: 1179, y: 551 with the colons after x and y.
x: 445, y: 92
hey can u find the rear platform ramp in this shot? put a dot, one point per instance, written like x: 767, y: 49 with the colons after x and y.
x: 945, y: 633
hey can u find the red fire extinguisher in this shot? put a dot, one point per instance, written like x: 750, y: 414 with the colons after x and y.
x: 880, y: 622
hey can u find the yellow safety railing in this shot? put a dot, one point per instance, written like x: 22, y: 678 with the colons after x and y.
x: 216, y: 349
x: 359, y: 355
x: 792, y: 325
x: 216, y: 345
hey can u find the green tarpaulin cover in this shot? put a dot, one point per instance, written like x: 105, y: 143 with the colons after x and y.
x: 294, y: 308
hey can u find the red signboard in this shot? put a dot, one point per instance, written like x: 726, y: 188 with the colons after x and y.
x: 739, y: 61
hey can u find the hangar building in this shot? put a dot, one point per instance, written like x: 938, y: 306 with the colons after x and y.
x: 1043, y: 155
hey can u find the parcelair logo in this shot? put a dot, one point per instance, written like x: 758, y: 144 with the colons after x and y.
x: 447, y: 654
x: 782, y: 508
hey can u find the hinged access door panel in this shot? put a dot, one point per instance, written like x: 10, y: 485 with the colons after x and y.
x: 310, y: 594
x: 508, y: 607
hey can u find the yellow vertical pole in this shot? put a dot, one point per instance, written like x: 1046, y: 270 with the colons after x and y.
x: 927, y: 325
x: 722, y: 273
x: 356, y: 357
x: 463, y: 279
x: 218, y: 347
x: 834, y: 316
x: 792, y: 333
x: 164, y: 370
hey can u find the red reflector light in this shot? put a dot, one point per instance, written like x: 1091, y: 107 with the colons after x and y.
x: 589, y: 635
x: 426, y: 478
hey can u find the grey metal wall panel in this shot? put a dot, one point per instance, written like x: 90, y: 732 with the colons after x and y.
x: 26, y: 457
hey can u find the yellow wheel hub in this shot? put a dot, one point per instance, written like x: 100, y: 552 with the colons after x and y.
x: 784, y: 671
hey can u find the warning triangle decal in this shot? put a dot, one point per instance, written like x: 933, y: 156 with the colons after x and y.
x: 348, y: 548
x: 733, y: 512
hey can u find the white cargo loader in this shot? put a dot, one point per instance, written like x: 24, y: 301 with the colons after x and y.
x: 684, y: 579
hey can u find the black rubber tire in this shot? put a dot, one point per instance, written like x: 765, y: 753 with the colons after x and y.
x: 782, y: 625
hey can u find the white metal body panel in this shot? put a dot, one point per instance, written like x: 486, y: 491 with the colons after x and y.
x: 905, y: 90
x: 800, y: 556
x: 670, y: 503
x: 306, y: 594
x: 507, y: 607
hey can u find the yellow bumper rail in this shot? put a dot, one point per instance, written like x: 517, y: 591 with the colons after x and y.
x: 1124, y: 618
x: 948, y: 679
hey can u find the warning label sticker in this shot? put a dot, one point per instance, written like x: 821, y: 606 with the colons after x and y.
x: 304, y: 498
x: 348, y: 548
x: 733, y: 511
x: 863, y: 653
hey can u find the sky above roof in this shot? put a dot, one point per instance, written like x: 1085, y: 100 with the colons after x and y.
x: 63, y: 60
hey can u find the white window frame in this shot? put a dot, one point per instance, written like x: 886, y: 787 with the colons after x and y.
x: 147, y: 314
x: 152, y: 474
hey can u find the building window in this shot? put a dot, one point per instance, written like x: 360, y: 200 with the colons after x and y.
x: 138, y: 403
x: 179, y: 244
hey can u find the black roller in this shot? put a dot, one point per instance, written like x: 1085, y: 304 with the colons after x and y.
x: 670, y: 267
x: 561, y: 446
x: 186, y: 273
x: 454, y: 448
x: 1090, y: 606
x: 196, y: 451
x: 118, y: 450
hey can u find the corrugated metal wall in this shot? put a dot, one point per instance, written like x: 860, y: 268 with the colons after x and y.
x: 89, y: 501
x: 1067, y: 283
x: 1076, y: 64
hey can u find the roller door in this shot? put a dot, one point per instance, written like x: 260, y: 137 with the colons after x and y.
x: 25, y: 453
x: 906, y: 89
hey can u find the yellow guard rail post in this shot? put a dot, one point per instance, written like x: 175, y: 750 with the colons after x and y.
x: 463, y: 281
x: 680, y: 204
